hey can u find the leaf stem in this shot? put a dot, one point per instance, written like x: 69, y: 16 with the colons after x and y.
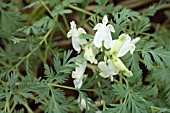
x: 28, y: 108
x: 7, y: 106
x: 58, y: 24
x: 13, y: 106
x: 81, y: 10
x: 66, y: 22
x: 71, y: 88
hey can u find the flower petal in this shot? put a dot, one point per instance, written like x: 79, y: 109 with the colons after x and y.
x: 132, y: 49
x: 75, y: 33
x: 97, y: 26
x: 128, y: 38
x: 105, y: 20
x: 78, y: 83
x: 108, y: 70
x: 88, y: 55
x: 106, y: 45
x: 81, y: 67
x: 69, y: 34
x: 111, y: 44
x: 125, y: 48
x: 98, y: 39
x: 111, y: 28
x: 135, y: 40
x: 74, y: 74
x: 79, y: 71
x: 73, y: 25
x: 106, y: 35
x: 76, y: 45
x: 81, y: 31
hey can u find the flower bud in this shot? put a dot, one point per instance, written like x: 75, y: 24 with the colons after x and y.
x: 119, y: 64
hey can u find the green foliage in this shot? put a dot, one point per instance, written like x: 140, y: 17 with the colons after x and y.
x: 122, y: 18
x: 132, y: 62
x: 117, y: 108
x: 153, y: 9
x: 88, y: 102
x: 59, y: 9
x: 62, y: 69
x: 9, y: 20
x: 133, y: 101
x: 38, y: 28
x: 140, y: 25
x: 11, y: 17
x: 159, y: 55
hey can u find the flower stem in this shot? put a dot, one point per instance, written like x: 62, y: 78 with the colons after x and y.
x: 120, y: 80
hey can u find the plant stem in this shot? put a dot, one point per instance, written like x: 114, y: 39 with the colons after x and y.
x: 28, y: 108
x: 58, y: 24
x: 71, y: 88
x: 61, y: 86
x: 120, y: 79
x: 7, y: 105
x: 13, y: 106
x: 45, y: 6
x: 81, y: 10
x: 66, y: 22
x: 40, y: 43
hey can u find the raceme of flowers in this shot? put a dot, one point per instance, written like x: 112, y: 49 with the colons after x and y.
x: 113, y: 50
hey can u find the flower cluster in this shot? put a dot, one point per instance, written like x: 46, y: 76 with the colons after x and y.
x: 101, y: 44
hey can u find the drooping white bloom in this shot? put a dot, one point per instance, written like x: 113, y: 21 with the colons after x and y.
x: 103, y: 33
x: 107, y: 69
x: 78, y: 74
x: 122, y: 45
x: 128, y: 45
x: 120, y: 65
x: 90, y: 53
x: 75, y: 33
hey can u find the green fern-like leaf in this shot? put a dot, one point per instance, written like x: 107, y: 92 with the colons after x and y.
x: 9, y: 21
x: 153, y: 9
x: 140, y: 25
x: 122, y: 18
x: 159, y: 55
x: 117, y: 108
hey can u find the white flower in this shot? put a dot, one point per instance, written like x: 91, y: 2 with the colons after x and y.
x: 103, y: 33
x: 75, y: 33
x: 108, y: 69
x: 122, y: 45
x: 78, y: 74
x: 90, y: 53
